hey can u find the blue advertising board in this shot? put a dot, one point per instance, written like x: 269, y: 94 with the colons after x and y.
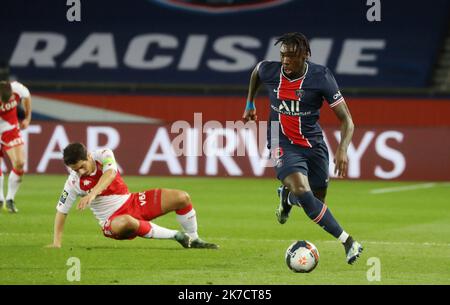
x: 215, y: 42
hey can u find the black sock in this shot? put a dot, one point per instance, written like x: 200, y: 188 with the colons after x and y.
x: 319, y: 213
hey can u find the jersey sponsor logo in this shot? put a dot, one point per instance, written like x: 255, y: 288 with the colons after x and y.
x: 289, y: 110
x: 337, y: 95
x: 289, y: 106
x: 221, y: 6
x: 15, y: 142
x: 5, y: 107
x: 64, y: 195
x: 142, y: 199
x: 86, y: 182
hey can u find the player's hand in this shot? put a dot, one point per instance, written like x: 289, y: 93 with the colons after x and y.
x: 249, y: 115
x: 24, y: 124
x: 340, y: 163
x: 85, y: 201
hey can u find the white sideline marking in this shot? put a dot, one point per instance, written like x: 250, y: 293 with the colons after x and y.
x: 400, y: 243
x: 403, y: 188
x: 363, y: 242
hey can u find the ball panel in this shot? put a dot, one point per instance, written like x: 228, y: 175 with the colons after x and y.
x: 302, y: 256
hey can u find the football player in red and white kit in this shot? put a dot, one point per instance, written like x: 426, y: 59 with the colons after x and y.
x: 122, y: 215
x: 11, y: 95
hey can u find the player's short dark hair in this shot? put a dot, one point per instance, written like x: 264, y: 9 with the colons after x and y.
x: 297, y: 39
x: 5, y: 91
x: 74, y: 152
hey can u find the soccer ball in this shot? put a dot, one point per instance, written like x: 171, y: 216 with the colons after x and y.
x: 302, y: 256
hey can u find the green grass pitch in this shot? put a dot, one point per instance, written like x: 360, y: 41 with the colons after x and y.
x: 408, y: 231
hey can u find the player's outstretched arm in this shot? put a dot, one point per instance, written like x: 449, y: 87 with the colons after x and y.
x: 60, y: 220
x: 250, y: 109
x: 105, y: 180
x: 347, y: 127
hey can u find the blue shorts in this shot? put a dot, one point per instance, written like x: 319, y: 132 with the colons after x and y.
x: 311, y: 162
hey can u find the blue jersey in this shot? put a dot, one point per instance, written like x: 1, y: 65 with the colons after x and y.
x: 295, y: 103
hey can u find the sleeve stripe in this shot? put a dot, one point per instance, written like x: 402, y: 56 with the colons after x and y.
x: 337, y: 102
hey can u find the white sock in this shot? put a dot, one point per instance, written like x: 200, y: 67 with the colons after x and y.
x: 14, y: 182
x: 189, y: 223
x: 343, y: 237
x: 158, y: 232
x: 2, y: 195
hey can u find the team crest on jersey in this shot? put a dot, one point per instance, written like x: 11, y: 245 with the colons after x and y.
x: 300, y: 93
x: 221, y: 6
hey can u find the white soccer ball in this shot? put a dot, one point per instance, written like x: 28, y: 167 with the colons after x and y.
x: 302, y: 256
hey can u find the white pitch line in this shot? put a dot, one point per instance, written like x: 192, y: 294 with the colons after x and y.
x: 371, y: 242
x: 403, y: 188
x: 268, y: 240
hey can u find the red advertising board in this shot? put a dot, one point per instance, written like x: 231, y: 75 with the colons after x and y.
x: 185, y: 149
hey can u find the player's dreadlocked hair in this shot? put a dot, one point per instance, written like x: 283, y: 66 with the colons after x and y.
x: 74, y: 152
x: 297, y: 39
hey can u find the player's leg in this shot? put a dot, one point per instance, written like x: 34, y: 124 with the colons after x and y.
x: 318, y: 177
x: 16, y: 155
x: 315, y: 168
x: 320, y: 193
x: 180, y: 202
x: 128, y: 227
x: 352, y: 248
x: 300, y: 192
x: 288, y: 160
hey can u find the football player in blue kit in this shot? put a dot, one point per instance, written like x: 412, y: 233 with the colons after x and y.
x: 297, y: 88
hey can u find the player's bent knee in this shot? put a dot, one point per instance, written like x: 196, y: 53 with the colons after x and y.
x: 298, y: 190
x: 124, y: 227
x: 185, y: 199
x: 182, y: 200
x: 19, y: 165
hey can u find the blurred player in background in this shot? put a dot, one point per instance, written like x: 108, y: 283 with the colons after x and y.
x: 297, y: 89
x: 15, y: 114
x: 122, y: 215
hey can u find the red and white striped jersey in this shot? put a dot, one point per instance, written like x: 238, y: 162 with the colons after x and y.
x: 8, y: 109
x: 108, y: 201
